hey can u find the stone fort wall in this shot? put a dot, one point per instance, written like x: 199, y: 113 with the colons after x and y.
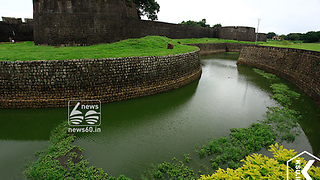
x: 211, y: 48
x: 43, y: 84
x: 71, y: 22
x: 38, y: 84
x: 74, y: 22
x: 14, y: 28
x: 301, y: 67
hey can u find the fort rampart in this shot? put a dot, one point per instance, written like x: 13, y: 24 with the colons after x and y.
x: 14, y: 28
x: 80, y: 23
x: 42, y: 84
x: 38, y: 84
x: 300, y: 67
x: 211, y: 48
x: 71, y: 22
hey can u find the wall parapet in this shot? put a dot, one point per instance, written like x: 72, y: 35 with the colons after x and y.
x: 14, y: 28
x: 210, y: 48
x: 300, y: 67
x: 43, y: 84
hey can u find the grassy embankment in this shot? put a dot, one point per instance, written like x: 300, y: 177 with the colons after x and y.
x: 146, y: 46
x: 65, y: 160
x: 284, y: 44
x: 292, y: 44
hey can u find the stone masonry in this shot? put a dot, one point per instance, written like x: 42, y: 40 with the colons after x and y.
x: 43, y: 84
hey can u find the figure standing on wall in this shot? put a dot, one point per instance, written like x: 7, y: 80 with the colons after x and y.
x: 13, y: 38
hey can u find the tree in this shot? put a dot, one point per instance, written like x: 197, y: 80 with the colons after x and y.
x: 283, y: 37
x: 201, y: 23
x: 293, y: 36
x: 270, y: 35
x: 217, y: 25
x: 148, y: 8
x: 312, y: 36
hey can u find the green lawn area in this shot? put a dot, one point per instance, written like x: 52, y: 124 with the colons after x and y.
x: 284, y: 44
x: 291, y: 44
x: 146, y: 46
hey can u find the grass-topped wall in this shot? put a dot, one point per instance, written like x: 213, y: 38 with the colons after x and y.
x: 52, y: 83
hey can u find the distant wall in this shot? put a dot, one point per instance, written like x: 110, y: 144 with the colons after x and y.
x: 237, y: 33
x: 42, y: 84
x: 175, y: 31
x: 211, y: 48
x: 262, y: 37
x: 16, y: 29
x: 301, y: 67
x: 80, y: 23
x: 73, y: 22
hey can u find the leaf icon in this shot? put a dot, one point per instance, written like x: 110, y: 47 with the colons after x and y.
x: 92, y: 117
x: 74, y: 115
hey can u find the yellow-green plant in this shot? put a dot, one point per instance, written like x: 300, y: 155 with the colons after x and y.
x: 257, y: 166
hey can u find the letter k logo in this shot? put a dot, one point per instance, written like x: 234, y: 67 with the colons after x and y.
x: 306, y: 168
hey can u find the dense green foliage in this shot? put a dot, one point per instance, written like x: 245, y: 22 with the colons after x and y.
x: 201, y: 23
x: 280, y: 124
x: 257, y: 166
x: 270, y: 35
x: 62, y: 160
x: 148, y: 8
x: 167, y: 170
x: 309, y: 37
x: 217, y: 25
x: 292, y: 44
x: 146, y: 46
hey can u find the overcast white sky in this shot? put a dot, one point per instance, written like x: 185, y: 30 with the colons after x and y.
x: 279, y: 16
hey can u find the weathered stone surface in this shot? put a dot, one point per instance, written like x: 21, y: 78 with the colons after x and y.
x: 301, y: 67
x: 14, y: 28
x: 210, y: 48
x: 40, y: 84
x: 71, y: 22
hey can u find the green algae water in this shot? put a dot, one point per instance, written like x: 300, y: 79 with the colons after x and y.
x: 149, y: 130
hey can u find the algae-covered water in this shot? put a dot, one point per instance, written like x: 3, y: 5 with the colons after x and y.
x: 149, y: 130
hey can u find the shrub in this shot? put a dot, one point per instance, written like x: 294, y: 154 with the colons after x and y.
x: 257, y: 166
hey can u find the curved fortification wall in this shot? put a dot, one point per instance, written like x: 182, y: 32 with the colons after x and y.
x: 43, y: 84
x: 211, y: 48
x: 300, y: 67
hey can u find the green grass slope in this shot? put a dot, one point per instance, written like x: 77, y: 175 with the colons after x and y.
x: 146, y: 46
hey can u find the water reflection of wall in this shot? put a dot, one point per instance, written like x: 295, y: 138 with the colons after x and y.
x: 300, y: 67
x: 309, y: 111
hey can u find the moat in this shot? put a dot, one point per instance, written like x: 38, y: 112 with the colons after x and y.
x: 153, y: 129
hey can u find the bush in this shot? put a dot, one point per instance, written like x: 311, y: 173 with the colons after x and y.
x: 257, y: 166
